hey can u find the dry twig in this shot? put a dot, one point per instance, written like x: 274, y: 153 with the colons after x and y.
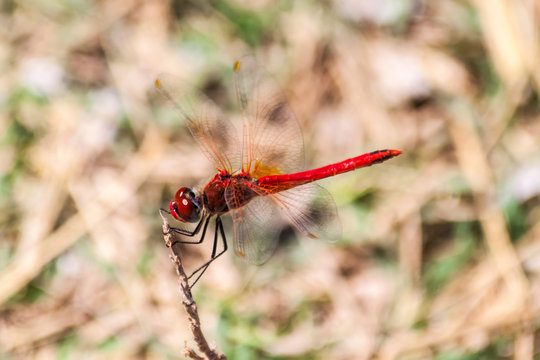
x: 188, y: 302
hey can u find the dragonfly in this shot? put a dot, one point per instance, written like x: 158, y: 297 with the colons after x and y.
x: 259, y: 162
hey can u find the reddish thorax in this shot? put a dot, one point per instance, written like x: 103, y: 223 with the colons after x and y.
x: 215, y: 192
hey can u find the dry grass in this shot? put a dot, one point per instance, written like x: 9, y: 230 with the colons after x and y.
x: 441, y: 249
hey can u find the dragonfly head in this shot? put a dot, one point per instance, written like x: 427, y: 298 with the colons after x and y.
x: 186, y: 206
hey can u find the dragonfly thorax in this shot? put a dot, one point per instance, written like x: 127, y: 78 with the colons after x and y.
x: 226, y: 192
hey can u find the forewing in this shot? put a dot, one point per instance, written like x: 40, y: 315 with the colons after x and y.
x: 256, y: 228
x: 215, y: 134
x: 311, y: 210
x: 272, y: 140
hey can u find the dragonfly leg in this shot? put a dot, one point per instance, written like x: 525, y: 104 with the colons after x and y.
x: 192, y: 233
x: 219, y: 231
x: 185, y: 232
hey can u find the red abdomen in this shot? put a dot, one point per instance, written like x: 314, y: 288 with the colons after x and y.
x: 291, y: 180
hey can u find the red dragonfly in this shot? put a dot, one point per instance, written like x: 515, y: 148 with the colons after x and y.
x: 258, y: 163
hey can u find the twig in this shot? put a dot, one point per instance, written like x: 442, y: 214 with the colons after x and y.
x: 188, y: 302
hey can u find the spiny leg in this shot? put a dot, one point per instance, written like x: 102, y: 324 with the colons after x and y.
x: 190, y: 233
x: 203, y: 267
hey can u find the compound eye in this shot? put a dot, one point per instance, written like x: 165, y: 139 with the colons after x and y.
x: 183, y: 207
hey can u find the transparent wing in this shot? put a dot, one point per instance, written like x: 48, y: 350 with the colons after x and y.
x: 216, y: 135
x: 271, y: 137
x: 311, y: 210
x: 257, y: 223
x: 256, y: 227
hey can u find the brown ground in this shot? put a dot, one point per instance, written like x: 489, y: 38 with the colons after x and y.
x: 441, y: 246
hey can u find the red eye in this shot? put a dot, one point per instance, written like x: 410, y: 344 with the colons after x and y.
x: 183, y: 207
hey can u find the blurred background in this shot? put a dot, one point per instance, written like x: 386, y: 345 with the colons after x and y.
x: 440, y: 255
